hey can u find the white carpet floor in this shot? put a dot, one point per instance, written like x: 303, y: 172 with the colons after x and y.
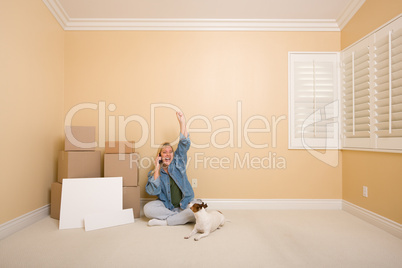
x: 253, y: 238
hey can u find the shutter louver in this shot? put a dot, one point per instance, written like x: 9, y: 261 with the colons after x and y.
x: 313, y: 91
x: 388, y: 84
x: 356, y: 94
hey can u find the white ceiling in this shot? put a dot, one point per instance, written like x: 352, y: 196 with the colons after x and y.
x: 316, y: 15
x: 205, y: 9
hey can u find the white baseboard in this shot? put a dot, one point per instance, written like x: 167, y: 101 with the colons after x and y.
x: 373, y: 218
x: 17, y: 224
x: 260, y: 204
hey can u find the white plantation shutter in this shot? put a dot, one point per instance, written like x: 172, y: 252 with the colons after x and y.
x: 388, y: 86
x: 356, y: 96
x: 313, y: 89
x: 372, y: 91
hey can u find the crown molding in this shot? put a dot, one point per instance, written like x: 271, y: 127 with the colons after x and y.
x: 200, y: 25
x: 84, y: 24
x: 58, y: 12
x: 349, y: 11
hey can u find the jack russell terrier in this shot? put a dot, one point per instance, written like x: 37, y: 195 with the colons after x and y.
x: 205, y: 222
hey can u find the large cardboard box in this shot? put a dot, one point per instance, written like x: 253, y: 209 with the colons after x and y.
x: 119, y: 147
x: 79, y: 165
x: 122, y: 165
x: 131, y: 199
x: 55, y: 200
x: 82, y: 134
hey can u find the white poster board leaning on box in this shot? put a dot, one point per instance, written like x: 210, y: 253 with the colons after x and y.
x: 83, y: 196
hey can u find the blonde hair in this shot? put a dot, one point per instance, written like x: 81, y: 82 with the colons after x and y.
x: 161, y: 147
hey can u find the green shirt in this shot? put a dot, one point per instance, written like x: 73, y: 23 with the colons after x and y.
x: 175, y: 193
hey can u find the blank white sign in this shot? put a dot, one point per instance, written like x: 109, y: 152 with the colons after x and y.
x: 108, y: 219
x: 81, y: 197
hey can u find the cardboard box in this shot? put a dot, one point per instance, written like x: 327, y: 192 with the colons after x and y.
x: 119, y: 147
x: 131, y: 199
x: 79, y: 165
x: 55, y: 200
x: 81, y: 134
x: 122, y: 165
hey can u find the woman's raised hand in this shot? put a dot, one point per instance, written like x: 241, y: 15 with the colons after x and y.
x: 182, y: 122
x: 180, y: 117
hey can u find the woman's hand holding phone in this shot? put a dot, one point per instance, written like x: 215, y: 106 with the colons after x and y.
x: 158, y: 163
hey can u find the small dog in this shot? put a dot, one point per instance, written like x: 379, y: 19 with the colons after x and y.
x: 206, y: 222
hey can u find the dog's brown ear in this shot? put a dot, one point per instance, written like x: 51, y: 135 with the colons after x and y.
x: 204, y: 205
x: 195, y: 207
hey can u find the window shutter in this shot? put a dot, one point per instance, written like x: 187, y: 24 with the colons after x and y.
x: 372, y: 91
x: 313, y: 91
x: 388, y: 86
x: 356, y: 96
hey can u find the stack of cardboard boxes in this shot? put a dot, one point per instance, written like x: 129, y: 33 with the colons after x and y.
x: 120, y: 160
x: 76, y: 161
x: 80, y: 160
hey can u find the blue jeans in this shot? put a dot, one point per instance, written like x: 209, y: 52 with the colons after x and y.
x: 157, y: 210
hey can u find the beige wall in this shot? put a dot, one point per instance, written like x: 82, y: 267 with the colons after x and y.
x: 31, y: 67
x: 370, y: 16
x: 204, y: 74
x: 381, y: 172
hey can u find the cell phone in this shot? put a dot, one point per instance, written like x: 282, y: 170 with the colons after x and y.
x: 160, y: 160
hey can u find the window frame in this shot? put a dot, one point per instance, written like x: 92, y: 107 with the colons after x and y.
x: 313, y: 143
x: 372, y: 143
